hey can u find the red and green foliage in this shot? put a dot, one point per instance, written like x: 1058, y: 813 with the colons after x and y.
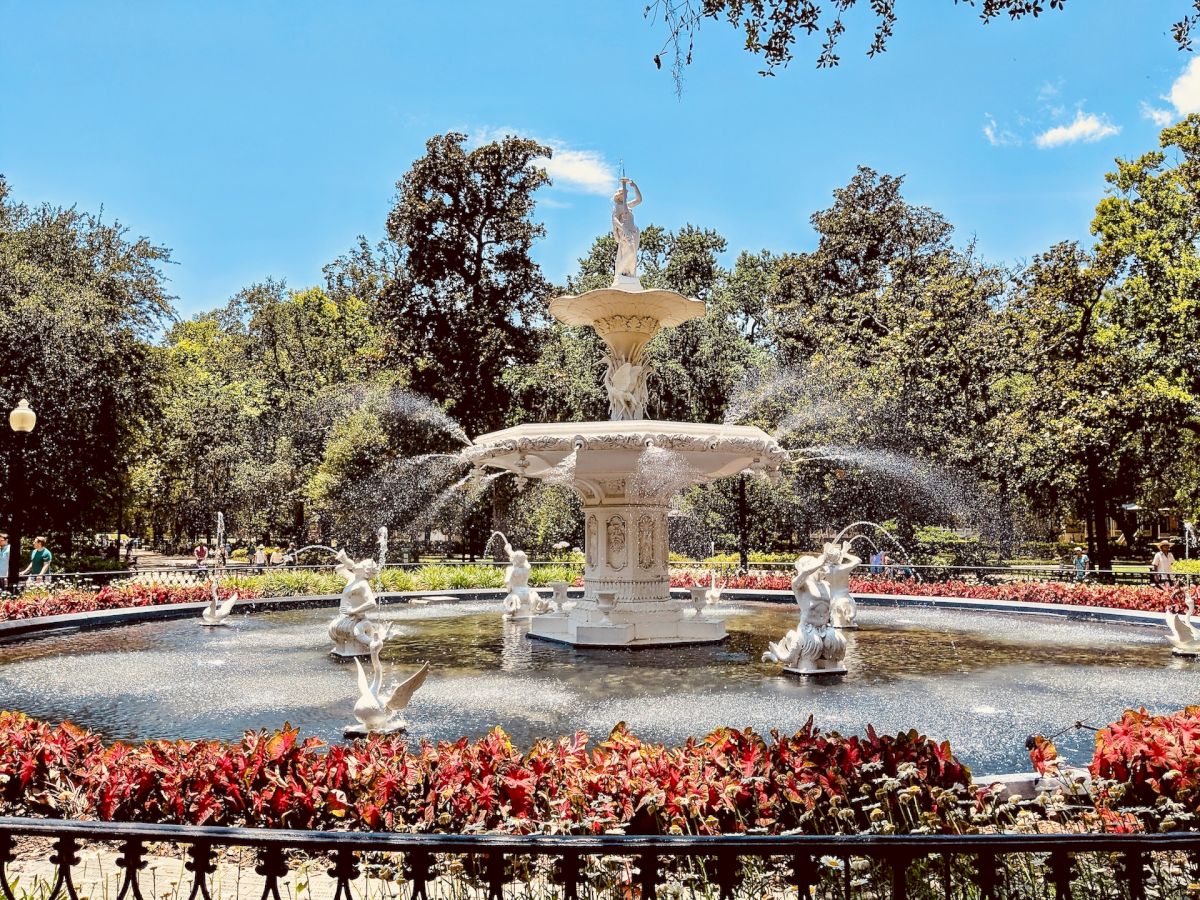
x: 730, y: 781
x: 1150, y: 599
x: 35, y: 603
x: 1151, y: 763
x: 73, y: 600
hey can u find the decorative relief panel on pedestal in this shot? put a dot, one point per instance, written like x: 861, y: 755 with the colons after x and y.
x: 613, y: 488
x: 616, y: 547
x: 590, y: 541
x: 646, y: 526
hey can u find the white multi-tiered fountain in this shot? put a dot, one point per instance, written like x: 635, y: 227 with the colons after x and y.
x: 627, y: 469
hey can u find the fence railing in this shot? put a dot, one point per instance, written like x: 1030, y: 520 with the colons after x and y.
x: 342, y: 865
x: 981, y: 574
x: 187, y: 575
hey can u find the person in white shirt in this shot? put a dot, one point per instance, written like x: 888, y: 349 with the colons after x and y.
x: 1160, y: 566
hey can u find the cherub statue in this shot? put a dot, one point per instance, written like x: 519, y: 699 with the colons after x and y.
x: 626, y: 232
x: 839, y: 563
x: 352, y: 631
x: 814, y: 646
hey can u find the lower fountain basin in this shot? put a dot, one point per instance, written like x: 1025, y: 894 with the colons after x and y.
x: 981, y: 680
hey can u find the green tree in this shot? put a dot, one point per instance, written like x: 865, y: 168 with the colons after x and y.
x: 80, y: 304
x: 459, y: 309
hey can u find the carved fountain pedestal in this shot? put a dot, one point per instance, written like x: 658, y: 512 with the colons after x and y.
x: 625, y: 470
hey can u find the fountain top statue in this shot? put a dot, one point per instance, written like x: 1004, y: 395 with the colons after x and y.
x: 626, y: 315
x: 628, y: 237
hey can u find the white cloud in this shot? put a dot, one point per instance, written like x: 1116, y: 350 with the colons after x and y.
x: 1160, y: 117
x: 1050, y: 89
x: 997, y: 136
x: 1185, y: 92
x: 1087, y: 127
x: 581, y: 171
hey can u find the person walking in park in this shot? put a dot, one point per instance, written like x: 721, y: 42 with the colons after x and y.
x: 39, y: 561
x: 260, y: 559
x: 1081, y: 562
x: 201, y: 553
x: 289, y: 555
x: 1161, y: 565
x: 877, y: 563
x: 4, y: 561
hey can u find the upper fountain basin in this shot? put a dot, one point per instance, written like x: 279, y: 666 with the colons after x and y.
x: 626, y: 318
x: 707, y: 451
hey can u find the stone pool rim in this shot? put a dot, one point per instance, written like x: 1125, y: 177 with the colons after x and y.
x: 111, y: 618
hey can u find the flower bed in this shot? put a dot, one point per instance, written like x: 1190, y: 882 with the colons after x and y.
x: 34, y: 603
x: 286, y: 583
x: 1151, y: 599
x: 729, y: 782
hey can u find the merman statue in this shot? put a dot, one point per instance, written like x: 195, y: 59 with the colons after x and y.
x: 814, y: 646
x: 352, y: 631
x: 522, y: 602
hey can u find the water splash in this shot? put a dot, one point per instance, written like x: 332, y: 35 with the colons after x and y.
x: 878, y: 528
x: 958, y: 498
x: 661, y: 472
x: 563, y: 473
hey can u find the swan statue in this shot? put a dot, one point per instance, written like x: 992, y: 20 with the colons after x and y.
x: 1184, y: 638
x: 216, y: 612
x: 376, y: 709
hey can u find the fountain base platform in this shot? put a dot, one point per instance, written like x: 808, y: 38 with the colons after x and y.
x: 585, y: 626
x: 837, y: 669
x: 361, y: 731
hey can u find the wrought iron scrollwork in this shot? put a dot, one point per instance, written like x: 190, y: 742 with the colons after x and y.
x: 131, y: 861
x: 7, y: 855
x: 416, y: 867
x: 272, y: 866
x: 343, y: 871
x: 202, y: 862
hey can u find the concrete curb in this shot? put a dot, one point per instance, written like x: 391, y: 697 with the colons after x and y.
x: 1021, y: 607
x: 108, y: 618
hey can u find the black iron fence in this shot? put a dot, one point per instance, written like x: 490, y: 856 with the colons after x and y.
x: 496, y: 867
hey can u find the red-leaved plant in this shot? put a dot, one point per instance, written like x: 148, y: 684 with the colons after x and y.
x: 34, y: 603
x: 1150, y: 765
x: 730, y: 781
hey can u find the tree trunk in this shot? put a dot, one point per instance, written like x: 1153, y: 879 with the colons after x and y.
x: 743, y: 537
x: 1097, y: 500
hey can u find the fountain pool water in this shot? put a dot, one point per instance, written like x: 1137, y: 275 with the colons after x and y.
x: 981, y: 680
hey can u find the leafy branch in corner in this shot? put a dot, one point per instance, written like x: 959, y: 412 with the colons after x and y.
x: 771, y: 27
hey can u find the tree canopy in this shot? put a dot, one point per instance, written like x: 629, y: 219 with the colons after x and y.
x: 913, y: 380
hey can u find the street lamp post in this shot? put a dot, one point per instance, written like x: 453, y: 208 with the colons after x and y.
x: 22, y: 419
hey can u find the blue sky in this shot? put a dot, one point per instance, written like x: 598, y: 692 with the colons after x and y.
x: 258, y: 139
